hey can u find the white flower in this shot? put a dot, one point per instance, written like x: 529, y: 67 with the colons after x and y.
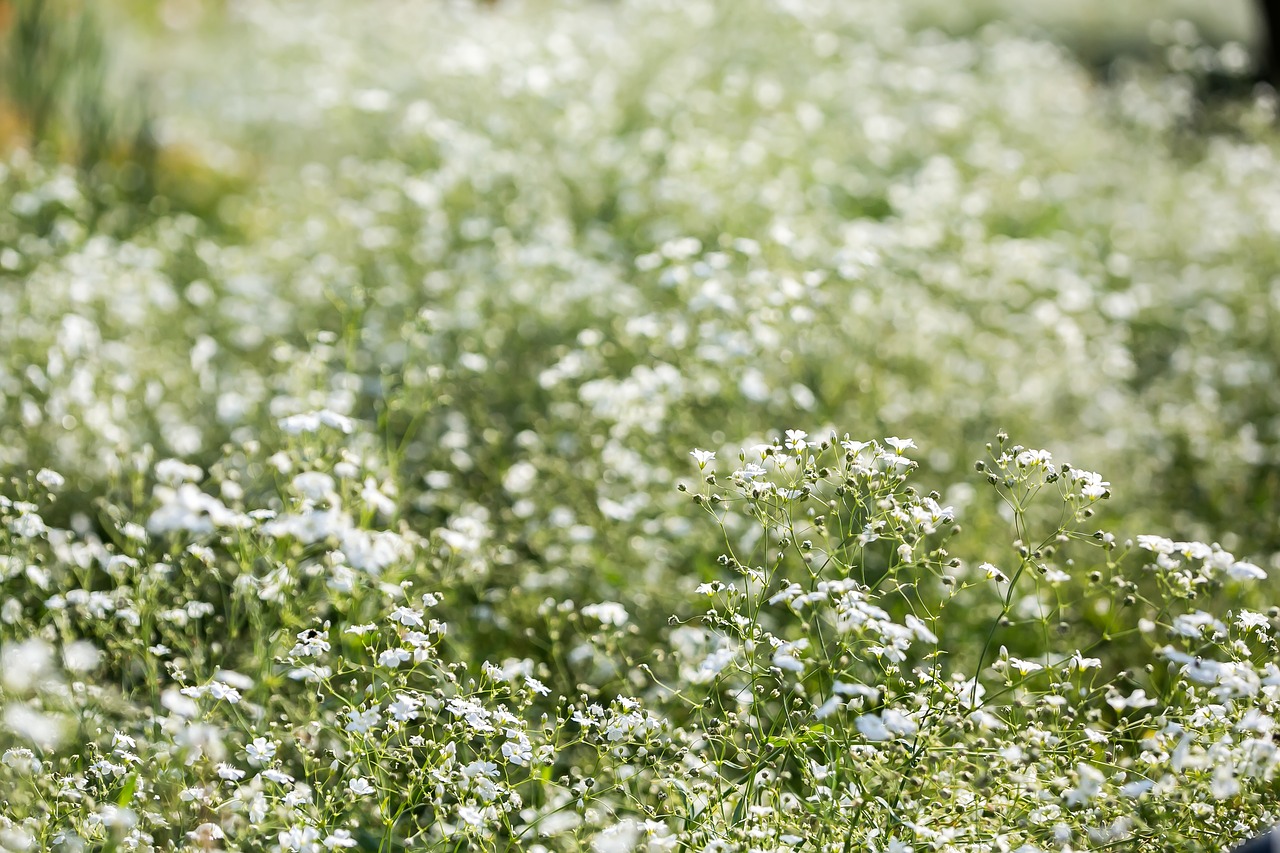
x: 314, y: 421
x: 796, y: 440
x: 44, y: 730
x: 1224, y: 783
x: 920, y: 629
x: 271, y: 774
x: 899, y: 444
x: 993, y: 573
x: 518, y: 751
x: 177, y: 703
x: 786, y: 594
x: 205, y: 834
x: 1156, y: 544
x: 408, y: 617
x: 1243, y: 571
x: 51, y: 480
x: 392, y: 658
x: 1255, y: 721
x: 872, y: 727
x: 260, y: 751
x: 404, y: 708
x: 898, y: 723
x: 476, y: 715
x: 373, y: 551
x: 785, y: 661
x: 1199, y: 670
x: 374, y: 497
x: 619, y: 838
x: 361, y: 722
x: 1034, y: 459
x: 221, y: 691
x: 299, y: 839
x: 1092, y: 486
x: 310, y: 673
x: 230, y: 773
x: 1137, y: 788
x: 1248, y: 620
x: 1054, y: 575
x: 339, y: 838
x: 1137, y: 699
x: 1080, y: 663
x: 188, y: 509
x: 173, y: 472
x: 480, y: 768
x: 1089, y: 786
x: 608, y: 612
x: 315, y: 486
x: 26, y: 664
x: 471, y: 816
x: 1025, y: 667
x: 702, y: 457
x: 311, y: 642
x: 22, y: 759
x: 360, y: 786
x: 1193, y: 625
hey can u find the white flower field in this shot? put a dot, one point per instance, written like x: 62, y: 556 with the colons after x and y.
x: 652, y: 425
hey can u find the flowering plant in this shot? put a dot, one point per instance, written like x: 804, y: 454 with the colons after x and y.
x: 398, y: 457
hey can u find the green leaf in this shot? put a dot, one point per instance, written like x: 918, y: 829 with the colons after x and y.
x: 126, y: 792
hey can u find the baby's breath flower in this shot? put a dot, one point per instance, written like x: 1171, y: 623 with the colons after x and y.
x: 260, y: 751
x: 51, y: 480
x: 340, y: 838
x: 362, y: 722
x: 408, y: 617
x: 393, y: 657
x: 873, y: 727
x: 1025, y: 667
x: 272, y: 774
x: 173, y: 472
x: 311, y: 642
x: 1248, y: 620
x: 1089, y: 785
x: 206, y: 834
x: 1137, y: 700
x: 1078, y: 662
x: 795, y: 440
x: 929, y: 260
x: 607, y: 613
x: 404, y: 707
x: 315, y: 421
x: 233, y: 774
x: 314, y: 486
x: 1242, y: 570
x: 702, y: 457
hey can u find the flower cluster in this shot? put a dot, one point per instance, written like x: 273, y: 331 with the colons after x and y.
x: 431, y: 446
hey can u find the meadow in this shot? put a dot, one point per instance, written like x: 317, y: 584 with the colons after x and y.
x: 653, y: 425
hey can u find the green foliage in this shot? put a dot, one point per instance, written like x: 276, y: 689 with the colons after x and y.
x: 58, y: 95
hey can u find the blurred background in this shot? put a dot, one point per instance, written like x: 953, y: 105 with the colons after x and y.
x: 580, y: 238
